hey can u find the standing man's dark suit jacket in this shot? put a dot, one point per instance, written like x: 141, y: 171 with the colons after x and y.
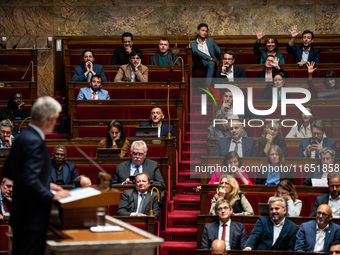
x: 237, y: 73
x: 149, y: 166
x: 28, y: 165
x: 237, y: 236
x: 320, y: 200
x: 164, y: 129
x: 248, y: 147
x: 129, y: 203
x: 69, y: 172
x: 305, y: 238
x: 262, y: 234
x: 327, y: 142
x: 78, y: 74
x: 296, y: 50
x: 121, y: 57
x: 154, y: 60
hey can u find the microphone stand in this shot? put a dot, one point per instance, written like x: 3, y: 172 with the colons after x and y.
x: 173, y: 66
x: 22, y: 122
x: 159, y: 200
x: 32, y: 71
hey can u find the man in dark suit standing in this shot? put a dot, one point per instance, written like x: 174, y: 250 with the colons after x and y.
x: 273, y: 232
x: 164, y: 56
x: 230, y: 71
x: 28, y: 165
x: 137, y: 201
x: 233, y: 233
x: 156, y: 120
x: 138, y: 164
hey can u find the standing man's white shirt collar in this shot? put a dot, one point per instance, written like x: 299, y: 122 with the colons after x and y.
x: 203, y: 47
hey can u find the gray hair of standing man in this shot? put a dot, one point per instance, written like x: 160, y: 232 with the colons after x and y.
x: 43, y: 108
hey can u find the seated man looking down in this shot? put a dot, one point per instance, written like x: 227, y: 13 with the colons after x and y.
x: 6, y: 128
x: 228, y: 70
x: 164, y: 56
x: 6, y: 193
x: 137, y: 201
x: 88, y: 69
x: 121, y: 55
x: 82, y: 181
x: 95, y: 91
x: 134, y: 71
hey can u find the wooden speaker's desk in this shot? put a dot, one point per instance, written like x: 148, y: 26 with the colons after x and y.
x: 132, y: 241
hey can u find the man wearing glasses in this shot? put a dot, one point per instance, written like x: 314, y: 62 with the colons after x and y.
x: 230, y: 71
x: 233, y: 233
x: 62, y: 172
x: 6, y: 128
x: 138, y: 164
x: 316, y: 235
x: 134, y: 71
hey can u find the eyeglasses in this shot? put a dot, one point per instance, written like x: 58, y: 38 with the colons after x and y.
x: 6, y: 132
x: 225, y: 183
x: 138, y: 154
x: 322, y: 213
x: 59, y: 154
x: 222, y: 208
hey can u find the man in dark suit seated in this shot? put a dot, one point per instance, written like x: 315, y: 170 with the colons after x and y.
x: 156, y: 120
x: 316, y: 235
x: 310, y: 147
x: 137, y: 201
x: 244, y: 146
x: 332, y: 198
x: 62, y: 171
x: 121, y: 55
x: 95, y: 91
x: 6, y: 192
x: 82, y: 181
x: 304, y: 53
x: 230, y: 71
x: 164, y: 56
x: 273, y: 232
x: 138, y: 164
x: 88, y: 69
x: 233, y: 233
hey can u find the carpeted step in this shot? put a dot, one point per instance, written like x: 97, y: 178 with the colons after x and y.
x: 196, y: 135
x: 201, y: 125
x: 184, y: 165
x: 194, y: 155
x: 183, y: 219
x: 178, y: 248
x: 189, y: 177
x: 194, y: 145
x: 180, y: 234
x: 186, y: 189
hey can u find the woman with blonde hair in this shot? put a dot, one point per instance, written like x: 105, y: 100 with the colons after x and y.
x: 228, y: 189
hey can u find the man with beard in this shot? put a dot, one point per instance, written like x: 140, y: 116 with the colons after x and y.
x: 163, y: 56
x: 273, y: 232
x: 121, y: 54
x: 62, y: 172
x: 95, y: 91
x: 332, y: 199
x: 138, y: 164
x: 230, y: 71
x: 88, y: 69
x: 134, y: 71
x: 137, y: 201
x: 317, y: 235
x: 6, y: 192
x: 244, y: 146
x: 156, y: 120
x: 304, y: 53
x: 310, y: 147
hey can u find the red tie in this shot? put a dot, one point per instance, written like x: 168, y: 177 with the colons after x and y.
x: 223, y: 232
x: 94, y: 96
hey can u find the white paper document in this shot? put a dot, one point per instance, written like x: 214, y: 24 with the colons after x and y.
x: 79, y: 193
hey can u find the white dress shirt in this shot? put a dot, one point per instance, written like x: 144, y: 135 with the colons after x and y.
x: 203, y: 47
x: 335, y: 205
x: 227, y: 232
x: 239, y: 148
x: 320, y: 238
x: 277, y: 230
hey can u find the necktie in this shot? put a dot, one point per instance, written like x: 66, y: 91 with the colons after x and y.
x: 223, y: 232
x: 236, y: 146
x: 94, y: 96
x: 141, y: 203
x: 136, y: 171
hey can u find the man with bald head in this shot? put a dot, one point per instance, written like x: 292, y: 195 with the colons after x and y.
x: 218, y: 247
x: 317, y: 235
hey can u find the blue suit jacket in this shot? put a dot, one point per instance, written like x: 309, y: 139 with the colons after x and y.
x: 164, y: 129
x: 248, y: 147
x: 305, y: 238
x: 213, y: 48
x: 78, y: 74
x: 69, y: 172
x: 86, y: 94
x: 238, y: 73
x: 262, y: 234
x: 237, y: 235
x: 327, y: 142
x: 296, y: 50
x: 320, y: 200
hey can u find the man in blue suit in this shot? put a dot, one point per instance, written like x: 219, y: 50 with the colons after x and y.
x: 317, y: 235
x: 235, y: 235
x: 304, y: 53
x: 310, y: 147
x: 28, y: 165
x: 95, y: 91
x: 205, y: 51
x: 230, y: 71
x: 273, y: 232
x: 88, y: 69
x: 62, y: 171
x: 244, y: 146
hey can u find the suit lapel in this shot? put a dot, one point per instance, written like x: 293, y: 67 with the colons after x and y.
x: 147, y: 201
x: 65, y: 172
x: 231, y: 232
x: 135, y: 200
x: 215, y: 234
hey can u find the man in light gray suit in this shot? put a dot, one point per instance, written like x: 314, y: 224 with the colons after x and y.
x: 95, y: 91
x: 137, y: 201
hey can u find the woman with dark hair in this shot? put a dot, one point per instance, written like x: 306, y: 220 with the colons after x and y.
x: 287, y: 191
x: 271, y: 68
x: 303, y: 129
x: 331, y: 80
x: 115, y: 138
x: 15, y: 108
x: 271, y: 48
x: 279, y: 82
x: 272, y: 135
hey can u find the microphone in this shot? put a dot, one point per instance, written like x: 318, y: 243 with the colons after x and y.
x: 168, y: 83
x: 175, y: 49
x: 159, y: 200
x: 89, y: 77
x: 173, y: 66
